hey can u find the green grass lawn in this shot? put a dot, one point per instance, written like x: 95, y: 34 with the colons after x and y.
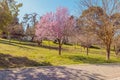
x: 27, y: 54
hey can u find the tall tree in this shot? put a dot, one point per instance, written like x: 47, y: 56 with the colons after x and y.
x: 5, y: 15
x: 10, y: 9
x: 31, y: 20
x: 102, y: 19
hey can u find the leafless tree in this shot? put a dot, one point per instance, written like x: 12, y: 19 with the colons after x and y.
x: 84, y: 36
x: 30, y: 21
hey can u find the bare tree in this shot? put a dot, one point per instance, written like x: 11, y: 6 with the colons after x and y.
x: 102, y: 19
x: 84, y: 36
x: 30, y: 21
x: 30, y: 32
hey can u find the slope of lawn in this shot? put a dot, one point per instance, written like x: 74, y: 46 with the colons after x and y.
x: 27, y: 54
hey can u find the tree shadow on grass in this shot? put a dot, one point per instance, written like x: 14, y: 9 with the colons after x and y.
x: 8, y: 61
x: 42, y: 46
x: 49, y: 73
x: 14, y: 44
x: 90, y: 60
x: 49, y: 47
x: 94, y: 47
x: 23, y: 45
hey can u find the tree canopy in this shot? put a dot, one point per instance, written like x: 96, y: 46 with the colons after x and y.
x: 8, y: 12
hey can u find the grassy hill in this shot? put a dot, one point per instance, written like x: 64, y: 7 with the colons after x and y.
x: 27, y: 54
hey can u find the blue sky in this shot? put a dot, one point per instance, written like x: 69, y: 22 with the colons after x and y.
x: 43, y: 6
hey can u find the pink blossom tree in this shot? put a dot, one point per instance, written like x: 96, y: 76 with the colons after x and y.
x: 55, y: 26
x: 43, y: 27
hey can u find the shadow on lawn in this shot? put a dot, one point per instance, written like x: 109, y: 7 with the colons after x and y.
x: 14, y: 44
x: 89, y: 60
x: 49, y: 73
x: 94, y: 47
x: 42, y: 46
x: 51, y: 47
x: 8, y: 61
x: 21, y: 45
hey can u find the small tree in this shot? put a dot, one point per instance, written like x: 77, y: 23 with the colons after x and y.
x: 55, y: 26
x: 17, y: 32
x: 84, y: 36
x: 86, y: 40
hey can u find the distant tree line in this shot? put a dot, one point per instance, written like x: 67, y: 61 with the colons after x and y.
x: 98, y: 24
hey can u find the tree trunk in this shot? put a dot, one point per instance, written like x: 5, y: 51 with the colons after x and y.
x: 39, y: 43
x: 116, y: 51
x: 60, y: 46
x: 32, y: 38
x: 87, y: 51
x: 108, y: 53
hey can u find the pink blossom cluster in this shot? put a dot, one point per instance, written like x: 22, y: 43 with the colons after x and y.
x: 55, y: 25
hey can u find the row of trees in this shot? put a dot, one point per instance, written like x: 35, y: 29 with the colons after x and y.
x: 97, y: 22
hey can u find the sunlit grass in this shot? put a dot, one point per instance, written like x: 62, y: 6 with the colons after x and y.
x: 70, y: 54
